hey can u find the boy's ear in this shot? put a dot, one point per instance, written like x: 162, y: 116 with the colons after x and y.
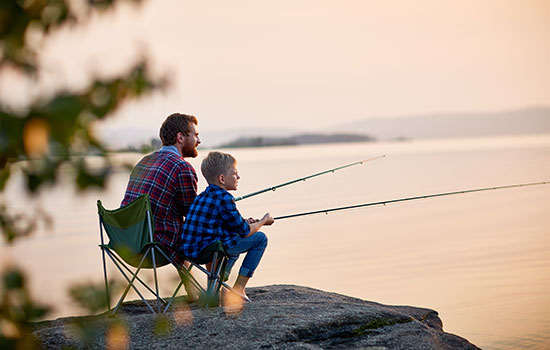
x: 221, y: 179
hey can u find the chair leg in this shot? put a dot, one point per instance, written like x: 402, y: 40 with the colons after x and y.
x: 137, y: 278
x: 193, y: 280
x: 156, y: 279
x: 184, y: 273
x: 106, y: 280
x: 212, y: 279
x: 226, y: 286
x: 211, y: 276
x: 130, y: 285
x: 218, y: 274
x: 102, y: 246
x: 173, y: 296
x: 221, y: 274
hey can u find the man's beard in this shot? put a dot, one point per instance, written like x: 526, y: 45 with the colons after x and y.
x: 189, y: 151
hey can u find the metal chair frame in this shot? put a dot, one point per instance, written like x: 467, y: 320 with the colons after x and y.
x: 214, y: 278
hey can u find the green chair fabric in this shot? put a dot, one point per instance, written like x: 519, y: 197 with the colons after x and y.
x: 128, y: 231
x: 207, y: 253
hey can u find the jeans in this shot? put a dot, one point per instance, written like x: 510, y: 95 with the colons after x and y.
x: 254, y: 247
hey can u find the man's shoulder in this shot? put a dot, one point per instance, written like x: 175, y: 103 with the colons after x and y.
x: 169, y: 158
x: 151, y: 158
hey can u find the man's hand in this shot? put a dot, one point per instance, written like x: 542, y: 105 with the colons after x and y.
x: 252, y: 220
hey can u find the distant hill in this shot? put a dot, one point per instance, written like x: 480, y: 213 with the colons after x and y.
x: 449, y: 125
x: 435, y: 125
x: 301, y: 139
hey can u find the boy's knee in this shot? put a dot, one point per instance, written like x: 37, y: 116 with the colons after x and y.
x: 262, y: 239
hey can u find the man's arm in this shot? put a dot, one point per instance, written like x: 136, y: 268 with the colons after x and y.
x: 187, y: 189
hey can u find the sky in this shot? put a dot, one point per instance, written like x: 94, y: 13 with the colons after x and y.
x: 311, y: 64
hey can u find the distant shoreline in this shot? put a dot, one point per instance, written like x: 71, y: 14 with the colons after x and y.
x: 294, y: 140
x: 528, y: 120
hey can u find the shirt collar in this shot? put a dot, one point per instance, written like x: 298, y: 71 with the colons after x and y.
x: 171, y: 148
x: 218, y: 189
x: 215, y: 187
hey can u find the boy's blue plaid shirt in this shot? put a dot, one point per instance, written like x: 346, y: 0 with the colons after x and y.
x: 213, y: 216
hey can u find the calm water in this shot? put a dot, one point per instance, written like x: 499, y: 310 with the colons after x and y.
x: 481, y: 260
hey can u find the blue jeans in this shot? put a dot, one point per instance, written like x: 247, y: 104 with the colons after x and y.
x: 254, y: 247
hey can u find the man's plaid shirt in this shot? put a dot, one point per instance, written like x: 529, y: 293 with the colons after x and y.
x: 213, y: 216
x: 171, y: 184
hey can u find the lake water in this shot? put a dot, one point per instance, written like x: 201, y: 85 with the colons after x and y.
x: 482, y: 260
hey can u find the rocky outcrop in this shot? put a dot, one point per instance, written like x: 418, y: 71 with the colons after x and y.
x: 280, y: 317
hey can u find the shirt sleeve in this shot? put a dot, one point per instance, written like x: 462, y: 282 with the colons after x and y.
x: 186, y: 189
x: 231, y: 217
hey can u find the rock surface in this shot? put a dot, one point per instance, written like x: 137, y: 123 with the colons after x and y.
x: 280, y: 317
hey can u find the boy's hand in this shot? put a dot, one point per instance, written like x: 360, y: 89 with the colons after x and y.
x: 256, y: 224
x: 268, y: 219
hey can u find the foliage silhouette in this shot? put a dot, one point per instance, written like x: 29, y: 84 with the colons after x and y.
x: 51, y: 133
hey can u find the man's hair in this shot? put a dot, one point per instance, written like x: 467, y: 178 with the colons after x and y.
x: 215, y: 164
x: 173, y: 124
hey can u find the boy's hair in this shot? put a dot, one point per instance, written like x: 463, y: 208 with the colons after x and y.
x: 215, y: 164
x: 173, y: 124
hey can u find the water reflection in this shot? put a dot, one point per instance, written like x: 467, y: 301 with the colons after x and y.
x: 482, y: 260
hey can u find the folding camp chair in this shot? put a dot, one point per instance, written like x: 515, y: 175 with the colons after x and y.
x: 130, y: 233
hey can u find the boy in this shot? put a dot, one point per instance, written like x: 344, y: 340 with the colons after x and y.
x: 214, y: 216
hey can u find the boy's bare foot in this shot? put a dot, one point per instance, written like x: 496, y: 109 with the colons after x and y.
x: 232, y: 302
x: 240, y: 285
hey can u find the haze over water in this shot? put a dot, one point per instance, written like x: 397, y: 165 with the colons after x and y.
x: 481, y: 260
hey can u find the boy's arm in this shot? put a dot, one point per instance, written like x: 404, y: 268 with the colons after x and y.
x: 231, y: 219
x: 255, y: 226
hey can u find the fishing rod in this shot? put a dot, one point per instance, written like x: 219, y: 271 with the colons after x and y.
x: 273, y: 188
x: 326, y: 211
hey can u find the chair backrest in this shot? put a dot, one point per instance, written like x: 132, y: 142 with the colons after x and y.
x: 129, y: 228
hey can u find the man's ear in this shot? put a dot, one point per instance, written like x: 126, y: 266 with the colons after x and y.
x: 221, y: 179
x: 180, y: 137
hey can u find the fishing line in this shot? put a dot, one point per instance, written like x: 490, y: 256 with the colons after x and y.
x: 326, y: 211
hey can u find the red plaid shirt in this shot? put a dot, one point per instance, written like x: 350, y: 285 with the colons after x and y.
x: 171, y: 184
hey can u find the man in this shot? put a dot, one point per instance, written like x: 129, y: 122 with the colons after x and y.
x: 169, y: 180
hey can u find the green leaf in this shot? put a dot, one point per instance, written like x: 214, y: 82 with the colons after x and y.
x: 163, y: 325
x: 91, y: 178
x: 89, y: 296
x: 13, y: 279
x: 4, y: 177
